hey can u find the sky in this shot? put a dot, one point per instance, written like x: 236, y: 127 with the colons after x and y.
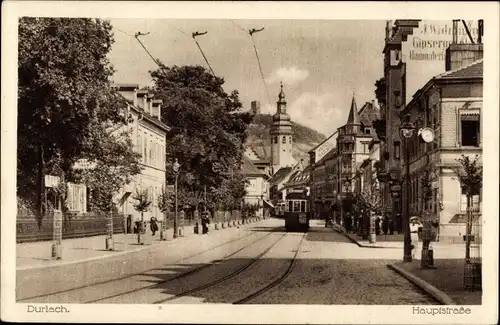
x: 322, y: 63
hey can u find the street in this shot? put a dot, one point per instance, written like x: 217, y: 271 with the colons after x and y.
x: 265, y: 265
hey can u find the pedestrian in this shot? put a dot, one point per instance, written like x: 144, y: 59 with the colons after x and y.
x: 129, y: 224
x: 205, y: 221
x: 385, y: 225
x: 153, y: 225
x: 377, y: 225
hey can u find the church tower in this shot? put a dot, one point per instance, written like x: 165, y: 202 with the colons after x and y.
x: 281, y: 136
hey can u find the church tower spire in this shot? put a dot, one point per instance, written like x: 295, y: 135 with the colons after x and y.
x: 281, y: 135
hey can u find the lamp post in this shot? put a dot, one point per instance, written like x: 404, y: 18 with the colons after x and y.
x: 175, y: 169
x: 407, y: 129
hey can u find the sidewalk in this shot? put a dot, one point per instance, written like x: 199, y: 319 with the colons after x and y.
x: 38, y: 254
x: 441, y: 250
x: 444, y: 282
x: 95, y: 265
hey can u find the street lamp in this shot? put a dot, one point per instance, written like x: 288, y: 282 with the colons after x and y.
x: 407, y: 129
x: 175, y: 168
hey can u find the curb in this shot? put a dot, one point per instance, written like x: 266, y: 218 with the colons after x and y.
x: 437, y: 294
x: 97, y: 258
x: 355, y: 241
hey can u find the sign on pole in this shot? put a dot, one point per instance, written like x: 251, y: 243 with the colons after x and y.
x: 52, y: 181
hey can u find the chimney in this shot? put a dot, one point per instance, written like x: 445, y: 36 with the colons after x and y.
x: 255, y: 107
x: 129, y: 91
x: 460, y: 55
x: 156, y: 108
x: 141, y: 99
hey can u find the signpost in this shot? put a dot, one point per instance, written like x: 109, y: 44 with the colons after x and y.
x: 57, y: 236
x: 52, y: 181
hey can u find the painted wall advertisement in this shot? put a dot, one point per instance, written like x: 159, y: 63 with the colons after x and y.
x: 424, y: 51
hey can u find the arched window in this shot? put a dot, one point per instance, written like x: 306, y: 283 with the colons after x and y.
x: 275, y: 139
x: 283, y: 140
x: 290, y: 140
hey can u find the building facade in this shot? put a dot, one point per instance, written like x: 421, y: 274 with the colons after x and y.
x: 450, y: 104
x: 148, y: 134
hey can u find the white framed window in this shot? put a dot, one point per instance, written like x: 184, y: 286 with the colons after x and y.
x: 463, y: 202
x: 145, y: 150
x: 470, y: 134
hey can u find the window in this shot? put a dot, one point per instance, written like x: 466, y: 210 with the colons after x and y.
x: 463, y: 201
x: 397, y: 150
x: 152, y: 153
x: 296, y: 206
x: 303, y: 206
x: 275, y: 139
x: 290, y: 206
x: 367, y: 131
x: 150, y: 150
x: 139, y: 145
x: 283, y: 140
x: 470, y: 131
x: 290, y: 140
x: 145, y: 151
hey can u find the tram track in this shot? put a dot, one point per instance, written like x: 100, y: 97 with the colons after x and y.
x: 195, y: 270
x: 275, y: 283
x: 224, y: 278
x: 185, y: 274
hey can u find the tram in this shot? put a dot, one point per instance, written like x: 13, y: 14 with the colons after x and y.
x: 297, y: 211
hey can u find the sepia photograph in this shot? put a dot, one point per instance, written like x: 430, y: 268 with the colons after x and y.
x: 251, y: 162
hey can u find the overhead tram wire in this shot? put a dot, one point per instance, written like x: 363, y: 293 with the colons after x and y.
x: 251, y: 32
x: 144, y: 47
x: 195, y: 34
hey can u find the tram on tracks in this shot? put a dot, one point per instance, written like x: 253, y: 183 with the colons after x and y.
x: 297, y: 211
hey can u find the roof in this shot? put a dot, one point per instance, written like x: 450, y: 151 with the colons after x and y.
x: 473, y: 70
x: 280, y: 175
x: 322, y: 142
x: 353, y: 113
x: 260, y: 150
x: 368, y: 113
x: 249, y: 168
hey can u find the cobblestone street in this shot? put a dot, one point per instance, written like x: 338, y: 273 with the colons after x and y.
x: 267, y: 266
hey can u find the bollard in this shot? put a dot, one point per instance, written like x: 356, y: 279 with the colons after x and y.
x: 234, y: 223
x: 222, y: 225
x: 216, y: 226
x: 163, y: 234
x: 110, y: 243
x: 56, y: 251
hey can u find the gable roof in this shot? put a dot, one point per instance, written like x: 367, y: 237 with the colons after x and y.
x: 280, y: 175
x: 368, y: 113
x: 249, y: 168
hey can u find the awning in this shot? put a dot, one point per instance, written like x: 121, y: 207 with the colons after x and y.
x: 269, y: 203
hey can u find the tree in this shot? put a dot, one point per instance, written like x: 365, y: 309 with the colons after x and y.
x: 208, y: 128
x: 370, y: 202
x: 64, y: 97
x: 142, y: 205
x: 380, y: 91
x: 470, y: 176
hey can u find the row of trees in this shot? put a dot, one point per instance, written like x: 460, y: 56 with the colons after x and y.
x: 68, y: 110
